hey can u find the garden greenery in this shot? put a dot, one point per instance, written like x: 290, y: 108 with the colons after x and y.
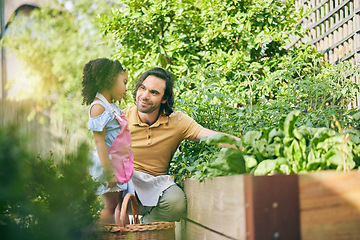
x: 285, y: 149
x: 43, y: 200
x: 52, y: 45
x: 234, y: 71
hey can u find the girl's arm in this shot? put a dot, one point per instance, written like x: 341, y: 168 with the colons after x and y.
x: 103, y: 153
x: 102, y: 150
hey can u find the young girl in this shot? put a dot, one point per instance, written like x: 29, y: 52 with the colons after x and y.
x: 105, y: 80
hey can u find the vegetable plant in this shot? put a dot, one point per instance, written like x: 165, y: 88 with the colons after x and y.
x: 286, y: 149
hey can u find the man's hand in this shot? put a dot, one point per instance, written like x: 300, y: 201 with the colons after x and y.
x: 207, y: 132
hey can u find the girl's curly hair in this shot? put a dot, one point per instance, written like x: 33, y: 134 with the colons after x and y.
x: 99, y: 74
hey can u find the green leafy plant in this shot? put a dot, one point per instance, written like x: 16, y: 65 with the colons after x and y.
x: 286, y: 149
x: 306, y: 83
x: 43, y: 200
x: 233, y: 71
x: 183, y: 35
x: 319, y: 93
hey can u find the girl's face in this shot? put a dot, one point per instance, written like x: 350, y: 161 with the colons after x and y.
x: 118, y: 91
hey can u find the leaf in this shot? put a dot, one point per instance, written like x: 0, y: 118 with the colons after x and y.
x: 236, y: 160
x: 190, y: 168
x: 284, y: 168
x: 356, y: 116
x: 334, y: 157
x: 356, y: 150
x: 307, y: 132
x: 219, y: 167
x: 263, y: 148
x: 354, y: 135
x: 321, y: 135
x: 314, y: 156
x: 275, y: 132
x: 250, y: 162
x: 220, y: 138
x: 250, y: 137
x: 265, y: 167
x: 289, y: 123
x: 278, y: 147
x: 294, y: 151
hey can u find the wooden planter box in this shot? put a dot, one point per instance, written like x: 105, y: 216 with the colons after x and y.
x: 317, y: 206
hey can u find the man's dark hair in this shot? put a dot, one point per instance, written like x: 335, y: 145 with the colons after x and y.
x: 167, y: 107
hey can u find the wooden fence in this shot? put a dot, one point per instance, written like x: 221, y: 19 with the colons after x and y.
x: 45, y: 136
x: 17, y: 114
x: 333, y: 27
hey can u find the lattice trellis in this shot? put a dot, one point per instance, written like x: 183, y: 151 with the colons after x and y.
x: 334, y: 28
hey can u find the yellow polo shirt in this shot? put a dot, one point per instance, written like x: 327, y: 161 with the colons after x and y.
x: 154, y: 146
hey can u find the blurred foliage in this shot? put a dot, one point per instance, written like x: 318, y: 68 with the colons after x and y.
x: 40, y: 199
x: 53, y: 44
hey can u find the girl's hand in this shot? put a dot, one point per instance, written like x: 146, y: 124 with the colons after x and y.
x: 112, y: 182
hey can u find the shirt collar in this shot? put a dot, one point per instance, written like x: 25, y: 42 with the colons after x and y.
x: 163, y: 119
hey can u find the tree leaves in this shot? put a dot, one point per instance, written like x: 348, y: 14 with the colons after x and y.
x: 53, y: 45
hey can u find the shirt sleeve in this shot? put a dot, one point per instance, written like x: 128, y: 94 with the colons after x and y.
x: 190, y: 127
x: 98, y: 123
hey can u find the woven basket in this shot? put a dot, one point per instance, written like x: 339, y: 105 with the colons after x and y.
x: 137, y: 231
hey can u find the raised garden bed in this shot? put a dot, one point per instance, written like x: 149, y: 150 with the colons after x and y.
x: 320, y: 205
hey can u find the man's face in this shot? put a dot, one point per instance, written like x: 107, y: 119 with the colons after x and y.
x: 149, y: 95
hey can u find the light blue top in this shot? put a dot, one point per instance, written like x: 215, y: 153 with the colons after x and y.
x: 106, y: 119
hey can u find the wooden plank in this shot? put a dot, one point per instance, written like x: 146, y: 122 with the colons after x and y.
x: 218, y: 204
x: 246, y: 206
x: 330, y: 205
x: 272, y: 207
x: 357, y: 39
x: 327, y: 27
x: 196, y: 232
x: 259, y: 207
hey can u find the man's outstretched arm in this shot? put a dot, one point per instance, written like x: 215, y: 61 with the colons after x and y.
x: 205, y: 132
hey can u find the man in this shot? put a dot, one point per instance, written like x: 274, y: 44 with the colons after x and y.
x: 156, y: 132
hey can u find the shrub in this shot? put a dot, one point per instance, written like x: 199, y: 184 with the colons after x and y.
x: 40, y: 199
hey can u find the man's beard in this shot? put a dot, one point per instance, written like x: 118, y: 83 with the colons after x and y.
x: 150, y: 109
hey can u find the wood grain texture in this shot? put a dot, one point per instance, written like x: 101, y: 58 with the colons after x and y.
x: 330, y: 205
x: 226, y: 207
x: 218, y: 204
